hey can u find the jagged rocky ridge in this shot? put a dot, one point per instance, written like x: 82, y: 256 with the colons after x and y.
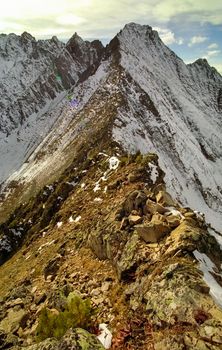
x: 36, y: 77
x: 68, y: 200
x: 147, y: 283
x: 154, y: 102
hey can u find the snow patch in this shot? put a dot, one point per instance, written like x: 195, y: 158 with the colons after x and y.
x: 71, y: 219
x: 98, y: 199
x: 154, y: 172
x: 207, y: 266
x: 113, y: 163
x: 174, y: 212
x: 105, y: 336
x: 97, y: 187
x: 77, y: 219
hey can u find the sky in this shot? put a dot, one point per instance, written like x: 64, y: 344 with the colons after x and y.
x: 191, y: 28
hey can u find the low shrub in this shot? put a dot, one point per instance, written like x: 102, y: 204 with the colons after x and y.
x: 77, y: 313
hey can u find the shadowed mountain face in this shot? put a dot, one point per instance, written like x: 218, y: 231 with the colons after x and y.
x: 138, y: 91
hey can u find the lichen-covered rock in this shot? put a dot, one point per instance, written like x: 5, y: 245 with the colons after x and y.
x: 48, y: 344
x: 186, y: 237
x: 211, y: 330
x: 128, y: 260
x: 80, y: 339
x: 14, y: 320
x: 97, y: 244
x: 177, y: 294
x: 169, y: 342
x: 7, y: 340
x: 74, y: 339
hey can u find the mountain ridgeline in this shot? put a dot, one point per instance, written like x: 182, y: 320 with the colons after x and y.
x: 110, y: 196
x: 152, y: 101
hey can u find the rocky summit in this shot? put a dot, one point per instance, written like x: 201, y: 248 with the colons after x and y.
x: 110, y: 210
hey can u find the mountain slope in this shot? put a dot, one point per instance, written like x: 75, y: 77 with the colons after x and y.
x: 186, y: 133
x: 107, y: 230
x: 84, y: 216
x: 35, y: 77
x: 161, y: 105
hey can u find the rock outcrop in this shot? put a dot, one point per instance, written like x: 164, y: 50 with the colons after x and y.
x: 153, y: 273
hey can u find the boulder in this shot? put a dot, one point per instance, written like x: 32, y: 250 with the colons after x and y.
x: 173, y: 220
x: 211, y: 330
x: 136, y: 175
x: 52, y: 267
x: 164, y: 198
x: 140, y: 200
x: 14, y: 320
x: 152, y: 231
x: 136, y: 200
x: 190, y: 214
x: 124, y: 223
x: 15, y: 302
x: 128, y: 260
x: 158, y: 217
x: 185, y: 237
x: 134, y: 219
x: 129, y: 203
x: 153, y: 207
x: 97, y: 244
x: 80, y: 339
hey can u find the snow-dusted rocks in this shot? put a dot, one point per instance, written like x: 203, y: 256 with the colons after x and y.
x: 150, y: 99
x: 173, y: 109
x: 35, y: 79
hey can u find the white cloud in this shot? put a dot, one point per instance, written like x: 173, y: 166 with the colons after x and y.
x: 212, y: 53
x: 213, y: 46
x: 69, y: 19
x: 197, y: 40
x: 168, y: 36
x: 102, y: 19
x: 202, y: 11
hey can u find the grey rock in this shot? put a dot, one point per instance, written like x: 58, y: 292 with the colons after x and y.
x: 80, y: 339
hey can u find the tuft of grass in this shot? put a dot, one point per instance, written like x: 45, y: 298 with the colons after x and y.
x: 54, y: 324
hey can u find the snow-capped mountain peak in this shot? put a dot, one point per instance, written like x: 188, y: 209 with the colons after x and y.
x: 155, y: 103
